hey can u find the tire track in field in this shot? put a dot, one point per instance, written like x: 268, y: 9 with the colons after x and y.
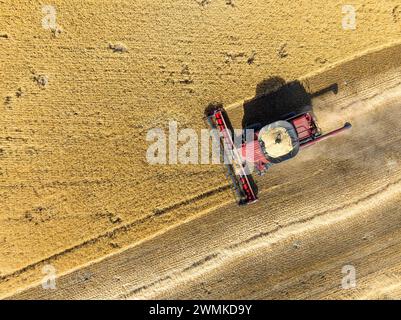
x: 264, y: 239
x: 326, y: 286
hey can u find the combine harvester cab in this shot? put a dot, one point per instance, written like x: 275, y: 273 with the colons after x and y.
x: 274, y: 143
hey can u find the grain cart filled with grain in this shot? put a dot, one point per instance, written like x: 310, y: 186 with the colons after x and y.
x: 270, y: 144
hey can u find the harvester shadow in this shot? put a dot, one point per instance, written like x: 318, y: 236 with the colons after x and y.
x: 277, y: 100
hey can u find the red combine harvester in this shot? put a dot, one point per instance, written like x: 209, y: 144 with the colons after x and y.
x: 268, y: 145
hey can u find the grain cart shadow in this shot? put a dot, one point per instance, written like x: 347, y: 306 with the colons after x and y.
x: 276, y: 100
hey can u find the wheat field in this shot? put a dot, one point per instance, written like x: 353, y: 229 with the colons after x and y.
x: 78, y: 194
